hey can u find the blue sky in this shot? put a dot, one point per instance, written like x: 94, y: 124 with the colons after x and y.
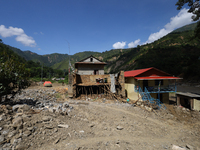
x: 45, y: 26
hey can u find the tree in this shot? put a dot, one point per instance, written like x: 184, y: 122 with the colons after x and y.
x: 13, y: 75
x: 194, y: 9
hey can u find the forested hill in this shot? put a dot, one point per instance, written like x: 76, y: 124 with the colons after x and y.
x: 177, y: 53
x: 47, y: 60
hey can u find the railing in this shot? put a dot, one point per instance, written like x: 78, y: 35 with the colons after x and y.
x: 157, y: 89
x: 147, y: 97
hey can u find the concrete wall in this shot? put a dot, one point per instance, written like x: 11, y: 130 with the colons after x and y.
x: 196, y: 104
x: 130, y: 84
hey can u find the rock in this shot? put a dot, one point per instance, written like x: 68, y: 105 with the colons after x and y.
x: 5, y: 132
x: 65, y: 104
x: 189, y: 147
x: 2, y: 117
x: 81, y: 131
x: 56, y: 141
x: 1, y: 138
x: 63, y: 126
x: 1, y: 128
x: 11, y: 134
x: 91, y: 125
x: 17, y: 122
x: 46, y: 118
x: 27, y: 133
x: 22, y: 108
x: 21, y: 147
x: 55, y: 130
x: 174, y: 147
x: 49, y: 126
x: 139, y: 103
x: 8, y: 107
x: 119, y: 128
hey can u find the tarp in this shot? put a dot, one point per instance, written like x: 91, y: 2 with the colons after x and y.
x: 47, y: 84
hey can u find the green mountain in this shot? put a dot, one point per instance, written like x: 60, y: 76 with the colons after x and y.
x: 47, y: 60
x: 177, y: 53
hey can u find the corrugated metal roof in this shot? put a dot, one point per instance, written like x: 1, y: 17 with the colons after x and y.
x: 134, y: 73
x: 191, y: 95
x: 157, y: 77
x: 149, y: 74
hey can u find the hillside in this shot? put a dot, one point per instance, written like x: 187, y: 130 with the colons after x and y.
x: 179, y: 50
x: 177, y: 53
x: 47, y: 60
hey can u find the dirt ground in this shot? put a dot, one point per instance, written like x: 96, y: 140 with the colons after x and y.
x: 110, y: 125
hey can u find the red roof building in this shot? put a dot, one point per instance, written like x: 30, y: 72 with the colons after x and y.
x: 152, y: 81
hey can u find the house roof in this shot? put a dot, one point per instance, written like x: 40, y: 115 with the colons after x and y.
x: 149, y: 74
x: 90, y: 63
x: 187, y: 94
x: 89, y: 57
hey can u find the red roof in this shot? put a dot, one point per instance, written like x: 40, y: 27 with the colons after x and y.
x: 154, y: 78
x: 148, y: 74
x: 134, y: 73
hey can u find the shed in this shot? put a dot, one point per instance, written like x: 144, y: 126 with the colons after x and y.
x: 188, y: 100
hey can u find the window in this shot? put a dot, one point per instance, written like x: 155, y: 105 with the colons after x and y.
x: 96, y: 72
x: 91, y: 59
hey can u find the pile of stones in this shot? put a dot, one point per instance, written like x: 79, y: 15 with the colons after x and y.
x: 16, y: 118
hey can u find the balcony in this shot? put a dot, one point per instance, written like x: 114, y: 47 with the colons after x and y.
x: 157, y: 89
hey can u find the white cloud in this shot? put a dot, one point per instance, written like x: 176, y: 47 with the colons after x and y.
x: 183, y: 18
x: 119, y: 45
x: 19, y: 33
x: 134, y: 44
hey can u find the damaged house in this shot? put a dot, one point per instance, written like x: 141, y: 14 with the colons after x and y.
x: 90, y: 81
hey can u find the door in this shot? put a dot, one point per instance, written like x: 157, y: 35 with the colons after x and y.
x: 145, y: 84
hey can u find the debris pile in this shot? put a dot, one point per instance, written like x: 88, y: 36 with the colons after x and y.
x: 30, y: 115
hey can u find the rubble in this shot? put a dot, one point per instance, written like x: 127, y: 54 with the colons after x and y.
x: 35, y: 119
x: 18, y: 121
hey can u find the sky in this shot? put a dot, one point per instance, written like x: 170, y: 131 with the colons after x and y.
x: 72, y: 26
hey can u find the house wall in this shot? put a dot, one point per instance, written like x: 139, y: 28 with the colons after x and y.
x: 196, y: 104
x: 130, y: 84
x: 86, y: 69
x: 165, y: 97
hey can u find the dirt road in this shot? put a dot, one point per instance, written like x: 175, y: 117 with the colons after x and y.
x: 121, y: 126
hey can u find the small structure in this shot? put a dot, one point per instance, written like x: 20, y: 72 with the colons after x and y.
x: 90, y: 66
x: 150, y: 83
x: 47, y: 84
x: 188, y: 100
